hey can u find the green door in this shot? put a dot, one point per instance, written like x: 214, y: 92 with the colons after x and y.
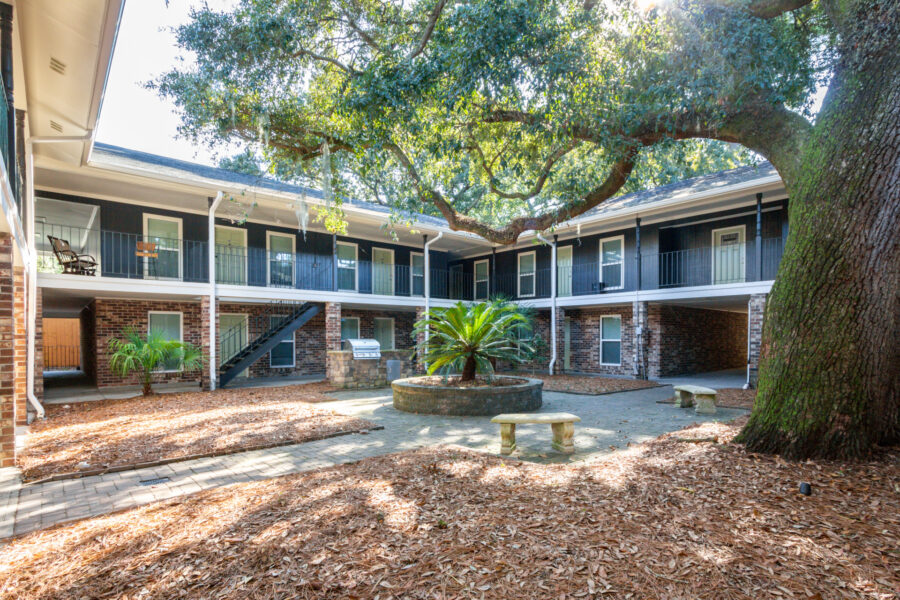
x: 231, y: 256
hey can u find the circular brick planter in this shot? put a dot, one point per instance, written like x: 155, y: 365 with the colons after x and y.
x: 413, y: 397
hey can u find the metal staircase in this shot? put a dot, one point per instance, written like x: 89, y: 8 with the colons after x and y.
x: 294, y: 317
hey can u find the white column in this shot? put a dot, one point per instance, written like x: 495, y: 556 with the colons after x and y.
x: 211, y: 236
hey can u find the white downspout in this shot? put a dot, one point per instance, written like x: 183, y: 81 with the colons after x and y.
x: 211, y: 236
x: 428, y: 278
x: 747, y: 383
x: 31, y: 260
x: 553, y: 300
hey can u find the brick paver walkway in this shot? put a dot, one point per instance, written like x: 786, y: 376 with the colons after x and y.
x: 608, y: 423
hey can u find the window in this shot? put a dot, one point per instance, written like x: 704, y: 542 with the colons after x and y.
x: 524, y: 333
x: 231, y: 255
x: 481, y: 279
x: 347, y: 264
x: 282, y: 355
x: 384, y: 332
x: 349, y: 328
x: 612, y: 263
x: 162, y: 237
x: 167, y: 324
x: 611, y: 340
x: 280, y: 250
x: 526, y: 274
x: 417, y: 273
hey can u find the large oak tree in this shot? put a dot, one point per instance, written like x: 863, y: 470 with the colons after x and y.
x: 543, y: 109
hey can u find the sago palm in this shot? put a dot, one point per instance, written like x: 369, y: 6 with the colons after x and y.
x: 470, y: 336
x: 145, y: 355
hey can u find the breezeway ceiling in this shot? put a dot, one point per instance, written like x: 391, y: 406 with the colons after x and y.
x: 66, y: 47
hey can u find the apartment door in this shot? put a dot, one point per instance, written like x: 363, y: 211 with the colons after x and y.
x: 728, y: 255
x: 564, y: 271
x: 231, y: 255
x: 233, y: 334
x: 456, y: 282
x: 567, y: 343
x: 383, y: 271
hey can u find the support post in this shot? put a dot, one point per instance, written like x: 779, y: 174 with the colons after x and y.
x: 759, y: 269
x: 211, y: 255
x: 553, y: 349
x: 427, y: 252
x: 493, y: 282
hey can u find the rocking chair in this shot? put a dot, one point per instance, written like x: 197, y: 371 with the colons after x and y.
x: 71, y: 261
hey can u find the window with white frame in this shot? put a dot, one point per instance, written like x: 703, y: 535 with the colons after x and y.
x: 280, y: 264
x: 161, y: 247
x: 384, y: 332
x: 346, y: 266
x: 168, y: 325
x: 349, y: 328
x: 526, y: 274
x: 482, y: 279
x: 611, y: 340
x: 612, y: 262
x: 282, y: 355
x: 417, y: 273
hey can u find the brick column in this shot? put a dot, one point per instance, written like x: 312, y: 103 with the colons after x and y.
x: 7, y: 355
x: 640, y: 318
x: 205, y: 341
x: 39, y: 345
x: 332, y: 337
x: 21, y: 346
x: 756, y: 312
x: 653, y: 340
x: 420, y: 338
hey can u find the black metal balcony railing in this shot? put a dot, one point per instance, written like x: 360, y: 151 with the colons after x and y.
x: 145, y: 257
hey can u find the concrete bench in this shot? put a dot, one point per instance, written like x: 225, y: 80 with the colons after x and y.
x: 562, y: 425
x: 703, y: 399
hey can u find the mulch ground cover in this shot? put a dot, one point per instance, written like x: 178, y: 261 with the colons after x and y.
x: 729, y: 398
x: 88, y: 436
x: 666, y: 519
x: 581, y: 384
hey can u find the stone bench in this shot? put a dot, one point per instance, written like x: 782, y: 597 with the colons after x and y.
x: 562, y: 425
x: 703, y: 399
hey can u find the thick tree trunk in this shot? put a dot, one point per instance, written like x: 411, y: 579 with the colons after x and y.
x: 468, y: 372
x: 830, y: 361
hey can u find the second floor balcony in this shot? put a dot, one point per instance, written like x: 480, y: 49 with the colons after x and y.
x: 163, y: 258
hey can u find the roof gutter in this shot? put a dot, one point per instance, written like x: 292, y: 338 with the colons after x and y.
x: 553, y: 299
x: 427, y: 253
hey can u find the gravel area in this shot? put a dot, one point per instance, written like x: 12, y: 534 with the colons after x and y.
x: 87, y: 436
x: 665, y: 519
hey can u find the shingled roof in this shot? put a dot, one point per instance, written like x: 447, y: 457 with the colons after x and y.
x: 107, y: 154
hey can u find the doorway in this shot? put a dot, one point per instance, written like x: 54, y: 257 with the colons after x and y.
x: 728, y: 256
x: 383, y: 271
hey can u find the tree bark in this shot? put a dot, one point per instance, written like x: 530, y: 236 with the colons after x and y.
x: 830, y: 358
x: 468, y: 372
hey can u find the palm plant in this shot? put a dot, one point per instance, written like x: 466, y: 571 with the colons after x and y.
x: 469, y: 337
x: 146, y: 355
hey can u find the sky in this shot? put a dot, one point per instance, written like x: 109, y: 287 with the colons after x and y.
x: 133, y: 116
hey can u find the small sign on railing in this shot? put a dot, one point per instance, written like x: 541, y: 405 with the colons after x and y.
x: 146, y: 250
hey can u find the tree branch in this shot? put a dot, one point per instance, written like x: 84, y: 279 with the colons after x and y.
x: 538, y: 185
x: 769, y: 9
x: 429, y: 29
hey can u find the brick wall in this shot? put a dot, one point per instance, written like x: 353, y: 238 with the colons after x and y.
x: 692, y: 340
x: 403, y: 325
x: 585, y: 340
x: 112, y: 317
x: 309, y: 342
x: 39, y: 344
x: 21, y: 346
x: 7, y: 354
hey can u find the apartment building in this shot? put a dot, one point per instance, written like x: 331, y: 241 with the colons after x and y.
x: 665, y: 282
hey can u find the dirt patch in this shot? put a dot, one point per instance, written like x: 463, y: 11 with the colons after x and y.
x: 666, y: 519
x: 591, y: 386
x: 479, y: 381
x: 89, y: 436
x: 735, y: 398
